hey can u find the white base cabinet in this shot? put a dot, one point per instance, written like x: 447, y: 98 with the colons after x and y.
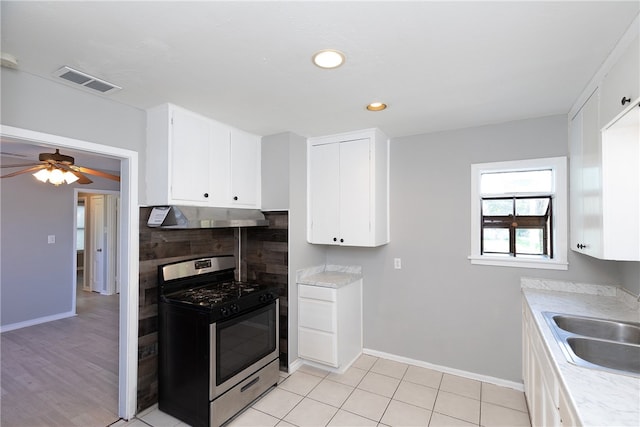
x: 546, y: 398
x: 330, y: 324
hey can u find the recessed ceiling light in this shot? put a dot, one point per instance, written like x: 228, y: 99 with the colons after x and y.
x: 328, y: 58
x: 376, y: 106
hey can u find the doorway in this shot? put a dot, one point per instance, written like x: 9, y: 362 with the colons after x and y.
x: 97, y: 243
x: 127, y: 252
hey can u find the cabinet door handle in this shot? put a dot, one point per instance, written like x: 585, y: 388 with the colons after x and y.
x: 581, y: 246
x: 341, y: 240
x: 335, y: 239
x: 624, y: 100
x: 206, y: 195
x: 235, y: 197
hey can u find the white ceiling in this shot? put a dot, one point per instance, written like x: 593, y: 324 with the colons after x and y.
x: 438, y: 65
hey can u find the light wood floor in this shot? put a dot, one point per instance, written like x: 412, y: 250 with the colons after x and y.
x: 65, y: 372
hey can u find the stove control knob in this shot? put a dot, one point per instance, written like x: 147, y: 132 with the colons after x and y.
x: 235, y: 308
x: 266, y: 297
x: 224, y: 311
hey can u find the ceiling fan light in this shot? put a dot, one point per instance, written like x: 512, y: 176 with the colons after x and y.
x: 70, y: 178
x: 56, y: 177
x: 42, y: 175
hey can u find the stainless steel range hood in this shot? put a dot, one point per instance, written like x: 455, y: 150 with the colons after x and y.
x: 183, y: 217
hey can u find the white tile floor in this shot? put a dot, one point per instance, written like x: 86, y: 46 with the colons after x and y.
x: 373, y: 392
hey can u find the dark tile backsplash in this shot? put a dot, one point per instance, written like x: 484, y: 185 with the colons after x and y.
x: 264, y: 259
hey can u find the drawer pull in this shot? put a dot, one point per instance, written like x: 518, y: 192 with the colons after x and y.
x: 250, y: 384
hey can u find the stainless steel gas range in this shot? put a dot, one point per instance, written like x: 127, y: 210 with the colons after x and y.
x: 218, y: 340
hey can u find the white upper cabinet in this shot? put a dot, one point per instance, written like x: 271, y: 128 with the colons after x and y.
x: 348, y: 189
x: 604, y: 156
x: 621, y: 85
x: 193, y: 160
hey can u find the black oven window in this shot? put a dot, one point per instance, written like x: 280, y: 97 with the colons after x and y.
x: 244, y: 340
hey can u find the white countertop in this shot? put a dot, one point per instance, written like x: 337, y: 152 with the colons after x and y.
x: 329, y: 276
x: 600, y: 398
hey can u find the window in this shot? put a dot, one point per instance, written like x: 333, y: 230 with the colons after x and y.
x: 519, y: 214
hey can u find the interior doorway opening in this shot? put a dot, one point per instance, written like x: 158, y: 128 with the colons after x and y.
x: 97, y: 244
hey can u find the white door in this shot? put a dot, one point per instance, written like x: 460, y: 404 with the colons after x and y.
x: 97, y: 245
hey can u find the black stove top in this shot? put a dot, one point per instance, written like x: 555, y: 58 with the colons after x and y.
x: 215, y: 294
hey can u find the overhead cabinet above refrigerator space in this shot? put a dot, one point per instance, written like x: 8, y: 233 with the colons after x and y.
x: 348, y: 189
x: 193, y: 160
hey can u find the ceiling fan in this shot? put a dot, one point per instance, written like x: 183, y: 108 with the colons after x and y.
x: 58, y: 168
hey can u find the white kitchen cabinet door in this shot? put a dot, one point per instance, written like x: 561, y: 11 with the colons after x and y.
x: 190, y: 150
x: 585, y: 180
x: 324, y: 188
x: 355, y: 192
x: 620, y: 82
x: 621, y: 187
x: 220, y: 165
x: 245, y: 168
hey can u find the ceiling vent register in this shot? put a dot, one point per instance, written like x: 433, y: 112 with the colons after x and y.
x: 83, y: 79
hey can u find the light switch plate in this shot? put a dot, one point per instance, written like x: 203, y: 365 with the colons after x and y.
x: 397, y: 263
x: 51, y: 238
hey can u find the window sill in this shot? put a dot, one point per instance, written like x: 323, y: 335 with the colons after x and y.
x: 520, y: 263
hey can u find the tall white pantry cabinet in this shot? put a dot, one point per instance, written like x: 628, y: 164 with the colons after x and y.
x: 348, y: 185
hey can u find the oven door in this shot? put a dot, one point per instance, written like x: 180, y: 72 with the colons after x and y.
x: 242, y: 345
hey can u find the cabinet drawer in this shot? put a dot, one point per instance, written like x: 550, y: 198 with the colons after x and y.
x: 320, y: 315
x: 317, y: 292
x: 317, y: 346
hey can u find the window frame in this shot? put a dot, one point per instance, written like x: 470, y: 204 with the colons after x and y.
x: 559, y: 195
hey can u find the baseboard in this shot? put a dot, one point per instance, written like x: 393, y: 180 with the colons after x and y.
x: 484, y: 378
x: 295, y: 365
x: 39, y: 320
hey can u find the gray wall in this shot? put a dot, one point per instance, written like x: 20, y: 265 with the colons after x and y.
x: 38, y: 104
x: 292, y: 190
x: 631, y: 276
x: 439, y: 308
x: 36, y: 277
x: 275, y: 172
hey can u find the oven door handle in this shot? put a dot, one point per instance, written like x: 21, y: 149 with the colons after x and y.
x: 249, y: 384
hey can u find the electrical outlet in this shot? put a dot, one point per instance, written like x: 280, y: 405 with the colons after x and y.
x: 51, y: 238
x: 397, y: 263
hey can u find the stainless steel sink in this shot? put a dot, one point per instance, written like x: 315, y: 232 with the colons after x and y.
x: 612, y: 355
x: 625, y: 332
x: 604, y: 344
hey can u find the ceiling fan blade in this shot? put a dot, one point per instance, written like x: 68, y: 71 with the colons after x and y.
x: 31, y: 169
x: 20, y: 165
x: 97, y: 173
x: 82, y: 179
